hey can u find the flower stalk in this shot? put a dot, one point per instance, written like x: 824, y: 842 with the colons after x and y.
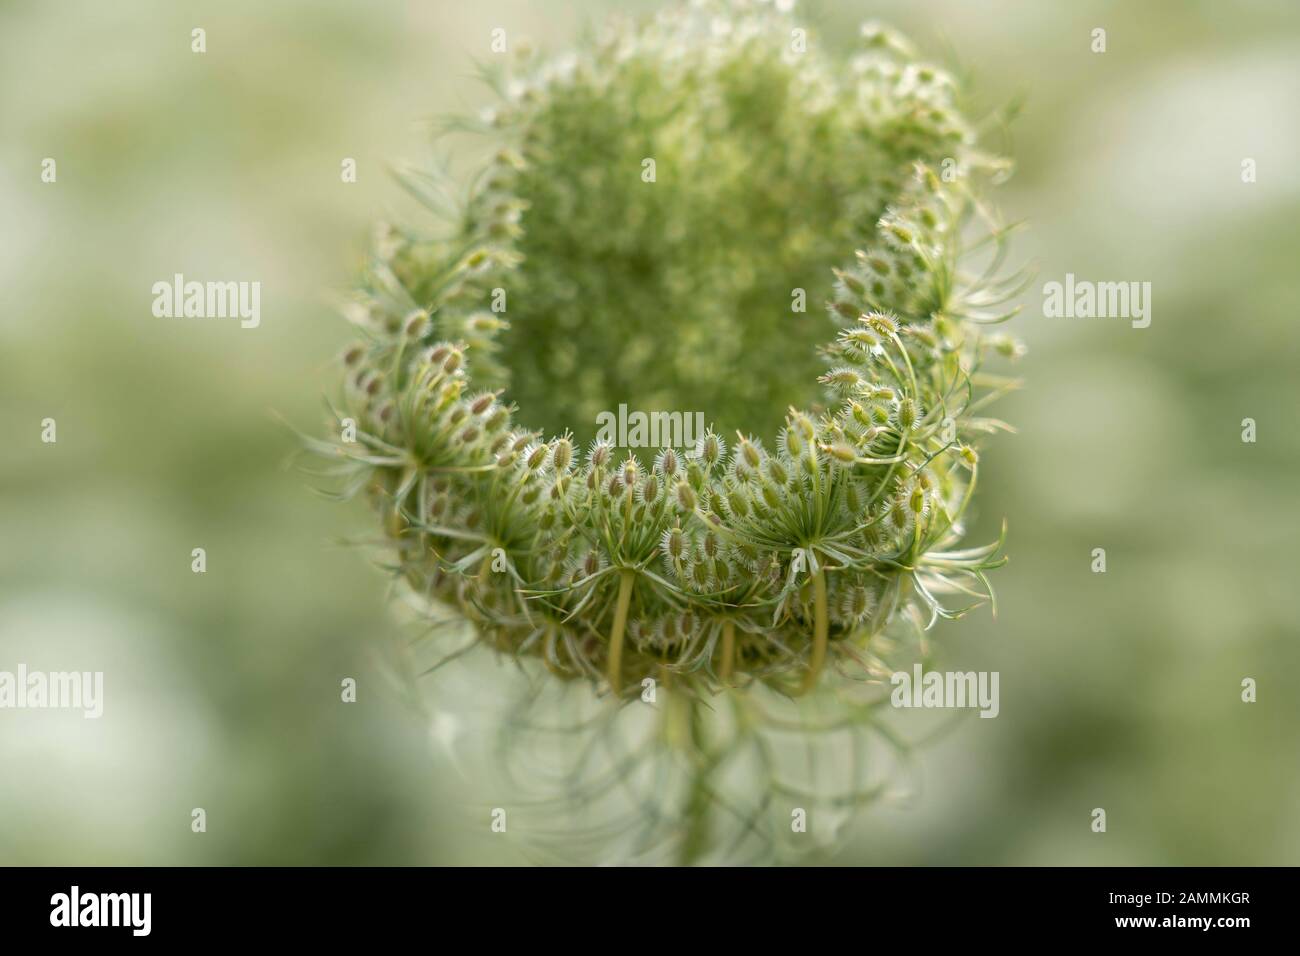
x: 625, y: 580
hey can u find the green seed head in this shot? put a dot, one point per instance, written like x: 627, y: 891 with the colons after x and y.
x: 599, y: 455
x: 710, y: 449
x: 535, y: 457
x: 685, y: 497
x: 561, y: 454
x: 673, y: 544
x: 667, y: 463
x: 794, y: 269
x: 907, y: 414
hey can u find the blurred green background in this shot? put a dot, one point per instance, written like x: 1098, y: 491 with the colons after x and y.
x: 1119, y: 690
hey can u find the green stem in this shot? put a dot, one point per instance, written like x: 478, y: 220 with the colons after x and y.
x: 728, y: 649
x: 620, y: 624
x: 821, y: 631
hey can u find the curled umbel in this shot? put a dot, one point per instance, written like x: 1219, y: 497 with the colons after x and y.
x: 707, y: 212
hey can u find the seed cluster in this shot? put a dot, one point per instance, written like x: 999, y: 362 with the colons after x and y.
x: 749, y: 557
